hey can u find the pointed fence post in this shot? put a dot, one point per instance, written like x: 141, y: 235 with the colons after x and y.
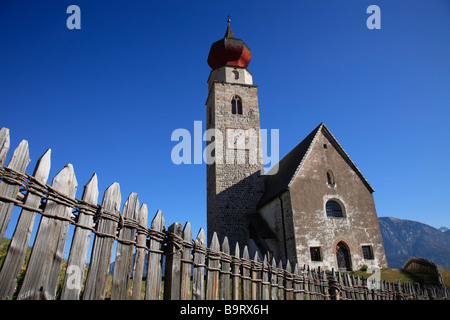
x: 296, y: 282
x: 225, y: 271
x: 246, y: 265
x: 235, y: 273
x: 17, y: 248
x: 198, y: 281
x: 306, y: 295
x: 334, y: 286
x: 172, y: 280
x: 324, y: 285
x: 212, y: 278
x: 317, y: 283
x: 43, y: 269
x: 288, y: 281
x: 80, y: 243
x: 376, y: 289
x: 8, y: 188
x: 256, y: 277
x: 399, y: 293
x: 186, y: 263
x: 360, y: 288
x: 139, y: 257
x: 103, y: 244
x: 4, y: 144
x: 124, y: 251
x: 274, y: 281
x: 345, y: 295
x: 346, y: 286
x: 265, y: 295
x: 281, y: 279
x: 312, y: 284
x: 155, y: 256
x: 301, y: 284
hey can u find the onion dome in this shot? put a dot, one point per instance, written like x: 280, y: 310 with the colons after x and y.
x: 229, y: 51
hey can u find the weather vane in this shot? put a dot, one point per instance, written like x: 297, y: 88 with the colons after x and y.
x: 228, y: 19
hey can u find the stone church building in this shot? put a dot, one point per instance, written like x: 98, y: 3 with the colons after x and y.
x: 317, y: 209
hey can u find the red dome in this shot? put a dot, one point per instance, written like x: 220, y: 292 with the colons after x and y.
x: 229, y: 51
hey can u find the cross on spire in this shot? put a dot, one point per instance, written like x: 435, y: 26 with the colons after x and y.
x: 229, y: 33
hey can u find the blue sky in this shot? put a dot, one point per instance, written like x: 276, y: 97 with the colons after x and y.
x: 107, y: 98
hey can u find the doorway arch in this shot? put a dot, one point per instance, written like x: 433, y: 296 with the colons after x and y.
x: 343, y: 257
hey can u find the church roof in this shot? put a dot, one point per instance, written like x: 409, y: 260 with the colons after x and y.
x: 229, y: 51
x: 288, y: 167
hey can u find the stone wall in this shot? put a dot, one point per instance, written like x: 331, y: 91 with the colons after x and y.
x: 310, y: 191
x: 234, y: 185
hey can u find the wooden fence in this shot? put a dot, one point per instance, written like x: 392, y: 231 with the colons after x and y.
x: 191, y: 270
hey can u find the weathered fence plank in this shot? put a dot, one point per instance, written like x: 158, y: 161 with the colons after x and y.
x: 296, y: 282
x: 274, y: 281
x: 9, y: 189
x: 186, y: 263
x: 42, y: 273
x: 235, y: 273
x: 4, y: 144
x: 173, y: 262
x: 246, y: 266
x: 124, y: 251
x: 212, y: 277
x: 198, y: 283
x: 334, y: 286
x: 307, y: 284
x: 103, y: 244
x: 288, y: 281
x: 256, y: 278
x: 281, y: 275
x: 139, y: 258
x: 155, y: 254
x: 301, y: 284
x: 324, y: 285
x: 19, y: 242
x: 225, y: 293
x: 265, y: 294
x: 80, y: 243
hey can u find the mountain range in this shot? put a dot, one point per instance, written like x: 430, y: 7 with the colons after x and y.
x: 406, y: 238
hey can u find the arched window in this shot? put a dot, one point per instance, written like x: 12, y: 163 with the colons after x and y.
x: 236, y: 105
x: 330, y: 178
x: 334, y: 209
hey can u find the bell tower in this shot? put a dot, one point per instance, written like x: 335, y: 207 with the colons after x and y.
x: 234, y: 182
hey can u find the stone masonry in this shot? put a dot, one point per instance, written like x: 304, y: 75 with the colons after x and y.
x: 234, y: 183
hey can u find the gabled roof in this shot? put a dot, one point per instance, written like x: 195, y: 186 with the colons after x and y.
x: 288, y: 167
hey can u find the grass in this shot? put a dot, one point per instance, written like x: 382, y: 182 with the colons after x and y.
x: 445, y: 273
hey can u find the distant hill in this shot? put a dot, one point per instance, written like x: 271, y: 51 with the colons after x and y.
x: 405, y: 238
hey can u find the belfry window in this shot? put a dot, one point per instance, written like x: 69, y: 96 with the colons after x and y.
x: 236, y: 105
x: 334, y: 209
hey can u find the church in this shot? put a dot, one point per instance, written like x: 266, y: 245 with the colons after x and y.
x: 314, y: 207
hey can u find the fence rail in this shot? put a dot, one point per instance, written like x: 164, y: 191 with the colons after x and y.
x: 191, y: 269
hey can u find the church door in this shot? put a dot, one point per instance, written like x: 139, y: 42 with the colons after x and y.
x: 343, y: 257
